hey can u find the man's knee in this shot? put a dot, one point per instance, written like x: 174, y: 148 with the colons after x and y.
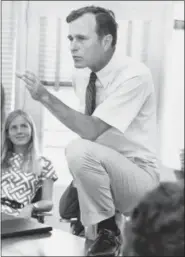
x: 76, y: 153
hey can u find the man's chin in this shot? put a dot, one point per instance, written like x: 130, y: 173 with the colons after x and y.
x: 79, y: 65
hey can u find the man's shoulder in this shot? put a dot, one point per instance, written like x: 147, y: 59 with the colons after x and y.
x: 131, y: 67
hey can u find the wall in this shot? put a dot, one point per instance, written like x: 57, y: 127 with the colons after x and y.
x: 172, y: 121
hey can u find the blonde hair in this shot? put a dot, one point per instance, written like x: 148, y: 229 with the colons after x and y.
x: 31, y: 156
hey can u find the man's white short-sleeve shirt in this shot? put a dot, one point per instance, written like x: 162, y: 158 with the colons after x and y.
x: 125, y: 99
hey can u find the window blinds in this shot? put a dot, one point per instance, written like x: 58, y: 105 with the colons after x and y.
x: 133, y: 38
x: 55, y: 62
x: 8, y: 52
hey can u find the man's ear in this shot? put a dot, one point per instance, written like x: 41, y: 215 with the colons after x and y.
x: 107, y: 41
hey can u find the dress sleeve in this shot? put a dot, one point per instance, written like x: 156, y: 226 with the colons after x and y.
x: 47, y: 170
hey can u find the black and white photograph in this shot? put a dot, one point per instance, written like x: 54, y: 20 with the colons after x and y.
x: 92, y: 128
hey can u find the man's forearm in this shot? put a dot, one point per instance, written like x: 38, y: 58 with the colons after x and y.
x: 85, y: 126
x: 88, y: 127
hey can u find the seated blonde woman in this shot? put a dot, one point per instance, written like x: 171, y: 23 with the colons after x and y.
x: 24, y: 171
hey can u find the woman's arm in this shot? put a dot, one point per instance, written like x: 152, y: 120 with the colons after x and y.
x: 47, y: 178
x: 44, y: 205
x: 46, y: 202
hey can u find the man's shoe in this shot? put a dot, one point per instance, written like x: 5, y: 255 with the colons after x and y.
x: 77, y: 228
x: 108, y: 243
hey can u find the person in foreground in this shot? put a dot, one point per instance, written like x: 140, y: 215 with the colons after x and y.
x: 23, y: 170
x: 114, y: 162
x: 156, y: 227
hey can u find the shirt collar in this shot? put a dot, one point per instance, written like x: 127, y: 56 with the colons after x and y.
x: 105, y: 74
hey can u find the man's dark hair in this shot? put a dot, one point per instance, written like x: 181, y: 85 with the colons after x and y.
x: 156, y: 227
x: 105, y: 20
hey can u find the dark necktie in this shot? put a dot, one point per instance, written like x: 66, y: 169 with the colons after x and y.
x: 90, y: 100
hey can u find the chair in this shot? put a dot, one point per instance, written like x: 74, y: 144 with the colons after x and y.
x: 69, y: 210
x: 39, y: 215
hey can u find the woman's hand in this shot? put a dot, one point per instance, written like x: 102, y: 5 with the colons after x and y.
x: 26, y: 212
